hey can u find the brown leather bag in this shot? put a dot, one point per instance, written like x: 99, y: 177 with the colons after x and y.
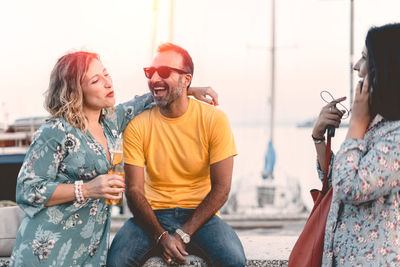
x: 309, y: 247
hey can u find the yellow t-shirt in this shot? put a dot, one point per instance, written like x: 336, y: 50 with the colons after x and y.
x: 177, y: 153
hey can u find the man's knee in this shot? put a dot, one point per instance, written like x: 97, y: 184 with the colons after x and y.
x: 235, y: 262
x: 233, y: 256
x: 113, y: 259
x: 217, y: 239
x: 129, y: 246
x: 122, y: 260
x: 120, y: 257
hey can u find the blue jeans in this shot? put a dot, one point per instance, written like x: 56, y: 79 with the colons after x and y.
x: 215, y: 240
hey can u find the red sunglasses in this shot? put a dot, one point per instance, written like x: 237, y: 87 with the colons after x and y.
x: 163, y: 71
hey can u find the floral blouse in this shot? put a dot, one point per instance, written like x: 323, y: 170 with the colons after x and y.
x: 365, y: 177
x: 70, y: 234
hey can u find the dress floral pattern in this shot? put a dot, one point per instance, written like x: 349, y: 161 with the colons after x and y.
x: 365, y: 177
x: 70, y: 234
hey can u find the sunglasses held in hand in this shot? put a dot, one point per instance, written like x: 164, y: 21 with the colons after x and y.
x: 326, y: 96
x: 163, y: 71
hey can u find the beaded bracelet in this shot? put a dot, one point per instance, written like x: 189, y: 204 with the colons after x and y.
x: 159, y: 238
x: 78, y: 191
x: 318, y: 140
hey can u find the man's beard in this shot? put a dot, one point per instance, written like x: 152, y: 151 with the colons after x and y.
x: 173, y: 93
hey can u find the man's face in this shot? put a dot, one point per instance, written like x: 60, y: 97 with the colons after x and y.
x: 166, y: 90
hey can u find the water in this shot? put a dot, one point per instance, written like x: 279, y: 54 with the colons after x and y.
x: 295, y: 158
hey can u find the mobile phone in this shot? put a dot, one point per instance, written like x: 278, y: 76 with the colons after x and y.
x: 362, y: 84
x: 331, y: 129
x: 369, y: 88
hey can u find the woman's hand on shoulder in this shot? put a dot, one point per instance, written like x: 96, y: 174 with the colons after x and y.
x: 104, y: 186
x: 201, y: 94
x: 329, y: 116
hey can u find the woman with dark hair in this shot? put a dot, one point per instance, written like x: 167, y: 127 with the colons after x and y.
x: 363, y: 225
x: 63, y: 182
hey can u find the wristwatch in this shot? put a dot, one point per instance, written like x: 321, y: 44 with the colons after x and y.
x: 184, y: 236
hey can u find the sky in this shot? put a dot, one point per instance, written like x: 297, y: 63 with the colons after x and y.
x: 229, y: 42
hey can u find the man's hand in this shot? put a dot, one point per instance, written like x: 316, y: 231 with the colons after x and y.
x: 173, y: 249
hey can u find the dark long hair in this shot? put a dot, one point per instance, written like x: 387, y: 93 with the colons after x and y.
x: 383, y: 46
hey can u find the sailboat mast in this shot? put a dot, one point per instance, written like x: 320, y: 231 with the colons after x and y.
x: 171, y: 20
x: 155, y: 28
x: 273, y: 48
x: 351, y: 50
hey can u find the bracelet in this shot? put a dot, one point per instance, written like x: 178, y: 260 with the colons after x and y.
x: 159, y: 238
x: 78, y: 191
x: 318, y: 140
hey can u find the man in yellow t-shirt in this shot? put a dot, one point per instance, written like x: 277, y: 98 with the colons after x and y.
x: 178, y: 161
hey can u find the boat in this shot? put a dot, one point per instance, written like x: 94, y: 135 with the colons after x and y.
x: 306, y: 124
x: 277, y: 193
x: 14, y: 143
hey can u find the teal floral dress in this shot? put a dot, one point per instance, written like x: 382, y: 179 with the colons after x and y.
x: 70, y: 234
x: 365, y: 229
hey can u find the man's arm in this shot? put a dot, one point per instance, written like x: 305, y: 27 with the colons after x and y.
x: 221, y: 178
x: 142, y: 210
x: 137, y: 201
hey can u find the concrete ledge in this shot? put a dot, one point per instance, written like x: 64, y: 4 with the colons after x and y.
x: 194, y: 261
x: 261, y: 251
x: 191, y: 261
x: 4, y: 262
x: 268, y: 248
x: 267, y: 263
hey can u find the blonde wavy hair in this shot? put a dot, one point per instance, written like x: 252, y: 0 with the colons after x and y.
x: 64, y: 97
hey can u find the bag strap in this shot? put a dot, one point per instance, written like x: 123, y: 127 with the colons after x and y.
x: 327, y: 162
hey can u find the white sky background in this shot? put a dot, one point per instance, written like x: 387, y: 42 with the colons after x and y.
x: 224, y: 37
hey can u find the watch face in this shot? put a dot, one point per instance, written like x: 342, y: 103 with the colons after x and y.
x: 186, y: 239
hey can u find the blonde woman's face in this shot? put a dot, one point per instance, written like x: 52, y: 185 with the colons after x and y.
x: 97, y: 87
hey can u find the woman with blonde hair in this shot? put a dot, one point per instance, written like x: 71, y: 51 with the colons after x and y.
x: 63, y: 182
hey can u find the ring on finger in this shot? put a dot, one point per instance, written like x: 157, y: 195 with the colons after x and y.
x: 169, y: 261
x: 330, y: 109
